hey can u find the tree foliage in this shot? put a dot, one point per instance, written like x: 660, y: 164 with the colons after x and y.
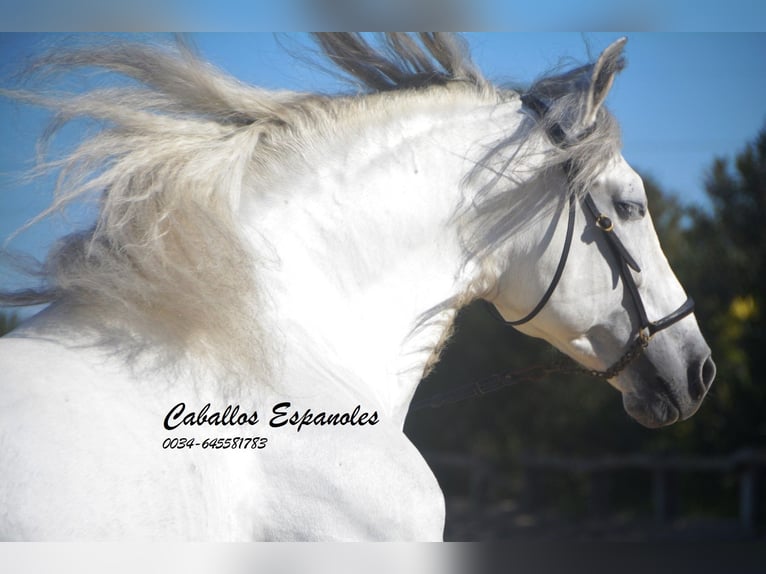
x: 725, y: 269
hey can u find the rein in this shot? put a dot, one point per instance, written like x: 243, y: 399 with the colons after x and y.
x: 626, y: 263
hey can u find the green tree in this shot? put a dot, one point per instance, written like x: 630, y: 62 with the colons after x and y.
x: 725, y: 270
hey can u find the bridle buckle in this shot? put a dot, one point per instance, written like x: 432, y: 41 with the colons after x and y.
x: 604, y: 223
x: 644, y: 336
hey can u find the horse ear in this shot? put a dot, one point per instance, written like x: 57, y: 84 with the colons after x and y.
x: 609, y: 63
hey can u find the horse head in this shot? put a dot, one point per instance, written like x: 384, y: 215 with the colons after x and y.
x: 599, y: 287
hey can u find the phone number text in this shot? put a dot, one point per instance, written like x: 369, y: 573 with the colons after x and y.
x: 257, y: 442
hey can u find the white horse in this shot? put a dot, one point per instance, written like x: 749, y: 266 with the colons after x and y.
x: 231, y: 350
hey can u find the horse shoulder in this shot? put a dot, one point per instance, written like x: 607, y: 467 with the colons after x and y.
x: 79, y: 455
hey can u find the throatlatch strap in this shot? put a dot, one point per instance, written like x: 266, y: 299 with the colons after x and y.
x: 556, y: 276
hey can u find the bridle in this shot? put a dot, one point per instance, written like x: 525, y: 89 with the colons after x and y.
x: 625, y: 262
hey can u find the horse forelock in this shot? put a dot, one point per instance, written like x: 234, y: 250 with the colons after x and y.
x: 511, y: 195
x: 590, y: 148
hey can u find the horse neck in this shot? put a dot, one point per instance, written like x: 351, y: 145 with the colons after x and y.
x: 362, y: 245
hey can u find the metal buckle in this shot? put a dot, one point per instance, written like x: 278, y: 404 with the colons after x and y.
x: 604, y: 223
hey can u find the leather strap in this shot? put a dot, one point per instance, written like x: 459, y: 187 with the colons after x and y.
x: 556, y: 276
x: 626, y: 262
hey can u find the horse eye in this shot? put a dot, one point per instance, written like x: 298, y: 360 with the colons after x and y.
x: 627, y: 210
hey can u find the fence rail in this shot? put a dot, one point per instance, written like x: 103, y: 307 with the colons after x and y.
x: 746, y: 464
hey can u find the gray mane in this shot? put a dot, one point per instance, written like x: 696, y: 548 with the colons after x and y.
x: 180, y: 142
x: 403, y: 60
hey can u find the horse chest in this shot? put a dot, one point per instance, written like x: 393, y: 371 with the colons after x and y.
x: 83, y: 458
x: 348, y: 486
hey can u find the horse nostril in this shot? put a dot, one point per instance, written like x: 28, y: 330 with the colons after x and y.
x: 708, y: 372
x: 700, y: 377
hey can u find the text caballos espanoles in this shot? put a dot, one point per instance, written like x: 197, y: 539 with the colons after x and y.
x: 281, y: 414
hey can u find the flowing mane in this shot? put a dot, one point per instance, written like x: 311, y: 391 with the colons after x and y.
x: 183, y: 141
x: 403, y: 62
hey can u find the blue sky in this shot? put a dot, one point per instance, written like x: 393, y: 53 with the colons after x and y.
x: 285, y: 15
x: 684, y: 99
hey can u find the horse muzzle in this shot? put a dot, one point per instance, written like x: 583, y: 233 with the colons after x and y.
x: 660, y: 394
